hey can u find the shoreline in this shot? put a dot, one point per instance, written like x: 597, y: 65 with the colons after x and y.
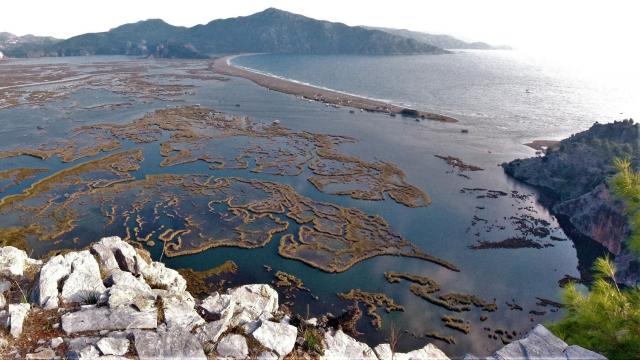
x: 223, y: 66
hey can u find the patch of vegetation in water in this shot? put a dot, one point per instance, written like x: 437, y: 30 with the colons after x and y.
x: 372, y: 301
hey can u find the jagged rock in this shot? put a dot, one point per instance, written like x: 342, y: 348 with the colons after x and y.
x: 129, y: 290
x: 253, y: 302
x: 14, y: 261
x: 55, y: 342
x: 176, y: 344
x: 233, y: 346
x: 94, y: 319
x: 125, y: 296
x: 113, y: 346
x: 82, y: 342
x: 43, y: 354
x: 339, y: 346
x: 278, y: 337
x: 540, y: 343
x: 116, y: 254
x: 84, y: 279
x: 179, y: 311
x: 158, y: 276
x: 216, y: 305
x: 3, y: 301
x: 383, y: 351
x: 88, y: 352
x: 17, y: 316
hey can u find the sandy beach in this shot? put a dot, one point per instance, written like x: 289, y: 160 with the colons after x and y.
x: 223, y: 66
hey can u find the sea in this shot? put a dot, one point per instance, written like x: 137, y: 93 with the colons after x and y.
x: 502, y: 100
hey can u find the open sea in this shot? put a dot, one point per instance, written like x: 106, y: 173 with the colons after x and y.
x: 499, y: 97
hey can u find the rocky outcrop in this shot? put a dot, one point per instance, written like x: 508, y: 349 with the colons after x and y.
x: 143, y: 311
x: 540, y: 343
x: 14, y: 262
x: 575, y: 177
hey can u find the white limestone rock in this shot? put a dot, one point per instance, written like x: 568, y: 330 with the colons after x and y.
x: 340, y: 346
x: 121, y: 295
x: 17, y: 315
x: 158, y: 275
x: 55, y: 342
x: 383, y: 351
x: 113, y: 346
x: 278, y: 337
x: 233, y: 346
x: 84, y: 280
x: 116, y: 254
x: 42, y: 354
x: 253, y: 302
x: 14, y: 262
x: 216, y: 304
x: 167, y: 344
x: 179, y: 311
x: 95, y: 319
x: 540, y: 343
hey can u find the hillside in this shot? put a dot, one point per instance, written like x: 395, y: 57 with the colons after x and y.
x: 441, y: 41
x: 271, y: 30
x: 24, y: 46
x: 576, y: 176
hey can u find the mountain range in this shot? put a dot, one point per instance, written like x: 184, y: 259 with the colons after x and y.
x: 272, y: 31
x: 439, y: 40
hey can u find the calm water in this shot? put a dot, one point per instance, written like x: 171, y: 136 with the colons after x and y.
x: 506, y: 94
x: 497, y: 129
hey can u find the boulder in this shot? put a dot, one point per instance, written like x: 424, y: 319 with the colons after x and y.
x: 540, y: 343
x: 17, y: 316
x: 278, y: 337
x: 95, y: 319
x: 84, y: 280
x: 172, y: 344
x: 216, y: 305
x: 233, y: 346
x: 253, y: 302
x: 126, y: 296
x: 116, y: 254
x: 51, y: 274
x: 179, y: 311
x: 383, y: 351
x: 113, y: 346
x: 14, y: 261
x: 340, y: 346
x: 55, y: 342
x: 88, y: 352
x: 42, y: 354
x: 158, y: 276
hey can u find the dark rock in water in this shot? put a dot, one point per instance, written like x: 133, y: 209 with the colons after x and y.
x: 575, y: 177
x: 409, y: 112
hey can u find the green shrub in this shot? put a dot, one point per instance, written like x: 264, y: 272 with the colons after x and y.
x: 606, y: 320
x: 626, y: 184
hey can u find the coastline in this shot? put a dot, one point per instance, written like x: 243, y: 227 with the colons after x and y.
x: 222, y: 65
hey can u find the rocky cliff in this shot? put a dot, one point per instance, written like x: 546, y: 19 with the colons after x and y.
x: 111, y: 301
x: 575, y: 177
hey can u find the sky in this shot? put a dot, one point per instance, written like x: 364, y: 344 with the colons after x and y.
x: 567, y: 28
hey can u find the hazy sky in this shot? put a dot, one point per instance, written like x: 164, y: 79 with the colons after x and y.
x: 583, y: 26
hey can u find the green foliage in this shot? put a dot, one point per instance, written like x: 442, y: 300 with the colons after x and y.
x: 606, y: 320
x: 313, y: 341
x: 626, y: 184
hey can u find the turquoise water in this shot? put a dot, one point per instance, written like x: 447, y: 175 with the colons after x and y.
x: 441, y: 229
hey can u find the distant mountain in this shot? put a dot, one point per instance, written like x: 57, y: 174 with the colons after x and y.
x: 24, y: 46
x: 441, y: 41
x: 271, y: 30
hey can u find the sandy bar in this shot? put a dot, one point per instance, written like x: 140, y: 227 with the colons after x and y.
x: 223, y: 66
